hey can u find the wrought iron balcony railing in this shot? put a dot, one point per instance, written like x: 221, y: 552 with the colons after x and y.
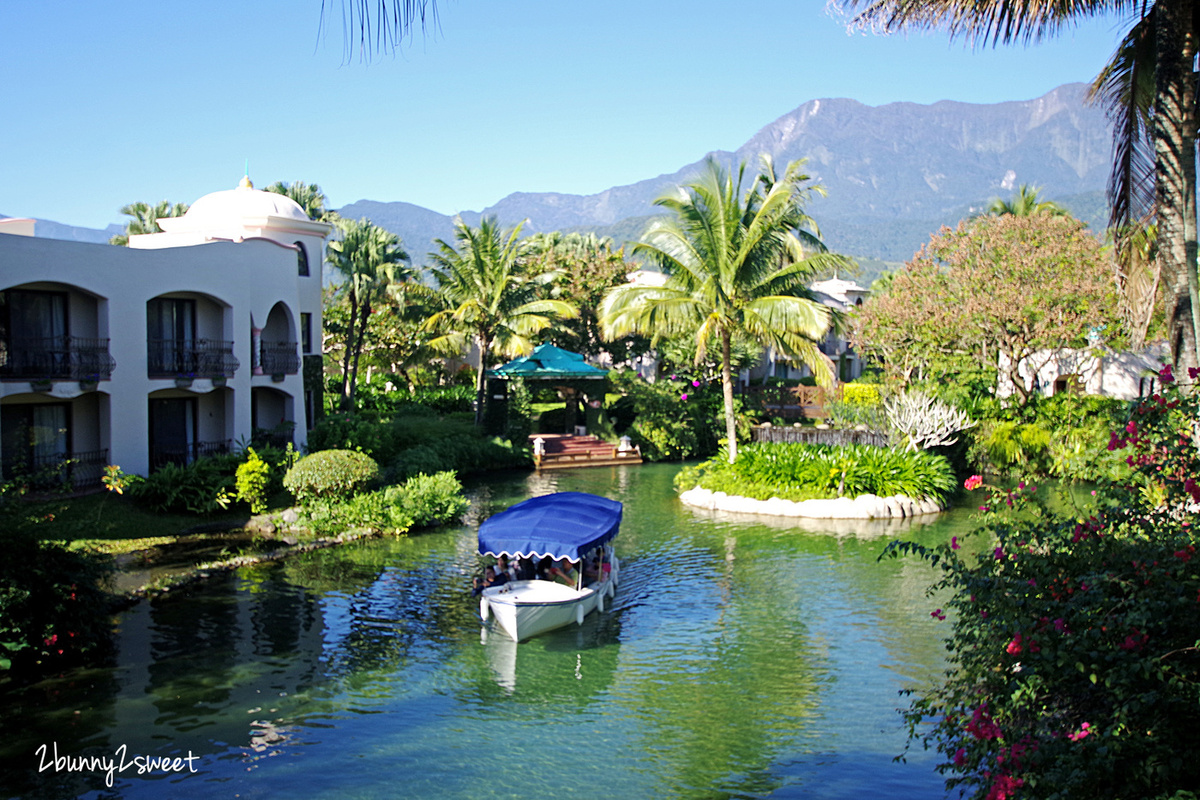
x: 198, y: 358
x: 181, y: 455
x: 55, y: 357
x: 279, y: 358
x: 47, y: 471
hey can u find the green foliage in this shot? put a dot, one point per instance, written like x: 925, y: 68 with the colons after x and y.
x: 330, y: 474
x: 673, y: 419
x: 422, y: 501
x: 1074, y: 668
x: 859, y: 404
x: 861, y: 394
x: 202, y: 487
x: 805, y: 472
x: 253, y: 478
x: 54, y: 609
x: 520, y: 411
x: 463, y: 452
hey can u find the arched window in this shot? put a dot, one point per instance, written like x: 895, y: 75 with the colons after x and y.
x: 302, y: 258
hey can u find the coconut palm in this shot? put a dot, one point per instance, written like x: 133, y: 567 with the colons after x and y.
x: 145, y: 219
x: 490, y: 297
x: 371, y: 262
x: 738, y: 264
x: 1024, y: 202
x: 1169, y: 32
x: 308, y: 196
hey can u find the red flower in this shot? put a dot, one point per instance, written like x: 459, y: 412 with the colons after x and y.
x: 973, y: 482
x: 1014, y: 646
x: 981, y: 725
x: 960, y: 757
x: 937, y: 614
x: 1166, y: 375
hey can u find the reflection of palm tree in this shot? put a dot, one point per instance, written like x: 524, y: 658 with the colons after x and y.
x: 1166, y: 34
x: 489, y: 296
x: 738, y: 266
x: 145, y: 219
x: 368, y: 258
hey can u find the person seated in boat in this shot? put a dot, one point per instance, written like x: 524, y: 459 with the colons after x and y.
x: 504, y: 568
x: 490, y: 578
x: 591, y: 569
x: 565, y: 573
x: 526, y: 569
x: 544, y: 568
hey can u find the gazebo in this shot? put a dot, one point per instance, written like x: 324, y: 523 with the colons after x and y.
x: 566, y: 371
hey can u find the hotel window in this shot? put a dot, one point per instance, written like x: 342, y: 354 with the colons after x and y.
x: 302, y: 258
x: 306, y: 333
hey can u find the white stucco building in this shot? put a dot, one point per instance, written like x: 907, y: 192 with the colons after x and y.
x: 186, y: 342
x: 1093, y: 370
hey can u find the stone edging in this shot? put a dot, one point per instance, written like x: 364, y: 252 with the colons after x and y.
x: 866, y: 506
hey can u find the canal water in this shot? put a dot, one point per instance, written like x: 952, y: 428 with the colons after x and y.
x: 741, y: 657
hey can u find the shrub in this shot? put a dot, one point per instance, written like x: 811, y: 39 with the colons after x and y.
x: 330, y: 474
x: 462, y: 452
x: 201, y: 487
x: 804, y: 472
x: 861, y: 394
x: 53, y: 605
x: 253, y: 478
x: 1074, y: 668
x: 674, y: 419
x: 421, y: 501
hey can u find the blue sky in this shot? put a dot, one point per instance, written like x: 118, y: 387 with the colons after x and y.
x: 105, y: 104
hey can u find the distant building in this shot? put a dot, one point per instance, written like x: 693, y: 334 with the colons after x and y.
x: 838, y: 294
x: 1093, y: 370
x: 185, y: 343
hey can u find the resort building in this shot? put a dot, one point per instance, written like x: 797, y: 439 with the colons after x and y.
x: 1093, y: 370
x: 187, y: 342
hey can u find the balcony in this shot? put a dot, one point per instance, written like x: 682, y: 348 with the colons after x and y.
x: 50, y: 471
x: 199, y: 358
x: 55, y: 358
x: 279, y: 358
x: 185, y: 454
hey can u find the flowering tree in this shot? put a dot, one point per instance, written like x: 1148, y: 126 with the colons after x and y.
x: 1076, y: 638
x: 1015, y: 286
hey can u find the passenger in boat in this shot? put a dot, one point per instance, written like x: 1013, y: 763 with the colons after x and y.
x: 490, y: 578
x: 591, y: 568
x: 545, y: 568
x: 565, y: 573
x: 504, y: 568
x: 526, y: 570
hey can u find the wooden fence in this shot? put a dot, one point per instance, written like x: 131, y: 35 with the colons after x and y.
x: 788, y: 402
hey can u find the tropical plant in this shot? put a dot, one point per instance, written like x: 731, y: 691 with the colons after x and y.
x: 145, y: 219
x: 1073, y: 642
x: 370, y: 262
x: 490, y: 297
x: 793, y: 471
x: 1025, y: 201
x: 1149, y: 87
x: 738, y: 265
x: 330, y: 474
x: 924, y: 421
x: 253, y: 477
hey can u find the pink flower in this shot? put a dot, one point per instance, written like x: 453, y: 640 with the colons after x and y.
x: 1135, y: 641
x: 954, y: 545
x: 973, y: 482
x: 1084, y: 731
x: 981, y: 725
x: 1193, y: 373
x: 1166, y: 375
x: 1014, y: 647
x: 683, y: 397
x: 695, y: 383
x: 1004, y: 787
x: 937, y: 614
x: 998, y: 553
x: 1131, y: 427
x: 960, y: 757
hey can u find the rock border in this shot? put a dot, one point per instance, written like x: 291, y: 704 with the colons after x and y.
x: 865, y: 506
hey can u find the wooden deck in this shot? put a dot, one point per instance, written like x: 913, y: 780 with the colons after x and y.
x: 565, y: 451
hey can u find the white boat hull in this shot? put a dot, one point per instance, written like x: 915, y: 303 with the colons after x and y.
x: 524, y: 609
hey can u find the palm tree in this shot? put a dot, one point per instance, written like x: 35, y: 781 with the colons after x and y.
x: 1024, y: 203
x: 490, y: 297
x: 1167, y: 29
x: 370, y: 260
x: 738, y: 265
x: 145, y: 219
x: 308, y: 196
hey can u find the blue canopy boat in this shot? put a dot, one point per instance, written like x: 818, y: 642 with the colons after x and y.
x: 570, y: 525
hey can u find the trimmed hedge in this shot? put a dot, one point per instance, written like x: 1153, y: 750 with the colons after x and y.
x: 330, y: 474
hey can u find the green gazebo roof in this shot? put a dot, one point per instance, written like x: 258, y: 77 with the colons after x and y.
x: 548, y: 362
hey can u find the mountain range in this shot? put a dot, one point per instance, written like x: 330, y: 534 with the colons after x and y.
x: 893, y: 174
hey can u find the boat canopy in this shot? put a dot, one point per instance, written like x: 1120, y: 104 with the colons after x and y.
x: 561, y: 525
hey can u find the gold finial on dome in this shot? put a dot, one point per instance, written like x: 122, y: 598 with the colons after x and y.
x: 245, y: 183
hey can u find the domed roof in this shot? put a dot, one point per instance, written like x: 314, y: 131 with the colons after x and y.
x: 219, y: 209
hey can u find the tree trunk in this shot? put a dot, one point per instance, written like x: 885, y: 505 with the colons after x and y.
x: 346, y: 357
x: 358, y: 346
x: 1175, y: 177
x: 727, y: 394
x: 483, y: 344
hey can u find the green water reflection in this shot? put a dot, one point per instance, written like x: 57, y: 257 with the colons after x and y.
x: 741, y: 657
